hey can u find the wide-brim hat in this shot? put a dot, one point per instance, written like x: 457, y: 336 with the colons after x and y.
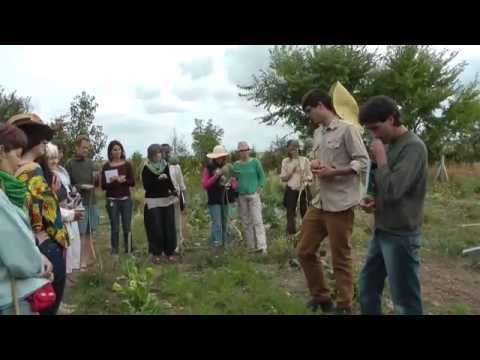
x: 31, y: 123
x: 345, y: 104
x: 218, y: 152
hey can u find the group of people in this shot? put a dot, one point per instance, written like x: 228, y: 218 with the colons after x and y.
x: 48, y: 213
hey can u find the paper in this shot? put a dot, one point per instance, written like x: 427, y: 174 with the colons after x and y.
x: 109, y: 174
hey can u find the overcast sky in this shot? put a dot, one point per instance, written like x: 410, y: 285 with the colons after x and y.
x: 144, y: 92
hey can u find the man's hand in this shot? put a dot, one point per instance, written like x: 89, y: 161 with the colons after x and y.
x: 367, y: 204
x: 259, y: 191
x: 163, y: 177
x: 324, y: 172
x: 315, y: 164
x: 121, y: 179
x: 379, y: 152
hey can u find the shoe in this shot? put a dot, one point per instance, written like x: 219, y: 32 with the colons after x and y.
x: 326, y: 306
x: 343, y: 311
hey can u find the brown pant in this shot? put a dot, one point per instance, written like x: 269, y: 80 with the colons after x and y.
x: 318, y: 224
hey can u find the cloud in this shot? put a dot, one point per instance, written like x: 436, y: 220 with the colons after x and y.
x: 146, y: 94
x: 191, y: 93
x: 243, y: 62
x: 154, y: 108
x: 472, y: 68
x: 198, y: 68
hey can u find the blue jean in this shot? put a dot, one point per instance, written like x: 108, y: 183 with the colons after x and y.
x: 55, y: 253
x: 220, y: 230
x: 395, y: 257
x: 115, y: 210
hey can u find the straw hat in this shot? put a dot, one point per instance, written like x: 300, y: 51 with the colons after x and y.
x: 218, y: 152
x: 31, y: 123
x: 345, y: 105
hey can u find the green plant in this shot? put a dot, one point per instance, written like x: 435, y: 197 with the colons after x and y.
x: 137, y: 295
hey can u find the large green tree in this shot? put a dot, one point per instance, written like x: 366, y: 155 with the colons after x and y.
x: 205, y: 136
x: 425, y: 82
x: 294, y: 70
x: 81, y: 122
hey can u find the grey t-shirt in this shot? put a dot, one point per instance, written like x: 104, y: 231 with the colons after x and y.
x: 401, y: 186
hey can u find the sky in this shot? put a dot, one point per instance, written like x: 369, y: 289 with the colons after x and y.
x: 145, y: 92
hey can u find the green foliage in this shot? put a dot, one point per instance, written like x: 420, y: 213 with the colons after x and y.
x: 205, y: 136
x: 137, y: 294
x: 81, y: 122
x: 137, y: 162
x: 12, y: 104
x: 237, y: 287
x: 294, y: 70
x: 424, y: 81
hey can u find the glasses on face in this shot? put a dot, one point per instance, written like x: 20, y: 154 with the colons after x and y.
x: 243, y: 150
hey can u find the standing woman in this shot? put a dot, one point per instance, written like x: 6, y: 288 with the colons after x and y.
x: 217, y: 180
x: 179, y: 183
x: 297, y: 174
x: 251, y: 179
x: 68, y: 208
x: 159, y: 213
x: 117, y: 179
x: 43, y: 207
x: 22, y: 267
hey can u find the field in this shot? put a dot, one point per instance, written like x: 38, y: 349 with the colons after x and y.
x: 232, y: 281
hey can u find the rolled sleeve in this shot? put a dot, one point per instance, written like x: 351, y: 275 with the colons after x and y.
x: 356, y: 149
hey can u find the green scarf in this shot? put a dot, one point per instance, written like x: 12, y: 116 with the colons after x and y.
x: 156, y: 168
x: 15, y: 190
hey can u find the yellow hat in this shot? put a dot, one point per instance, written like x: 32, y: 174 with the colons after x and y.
x: 345, y: 105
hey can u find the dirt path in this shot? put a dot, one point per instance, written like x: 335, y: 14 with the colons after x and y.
x: 449, y: 286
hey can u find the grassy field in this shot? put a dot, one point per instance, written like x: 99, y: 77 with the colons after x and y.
x: 232, y: 281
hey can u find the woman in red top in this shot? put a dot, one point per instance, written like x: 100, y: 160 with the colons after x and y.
x: 117, y: 179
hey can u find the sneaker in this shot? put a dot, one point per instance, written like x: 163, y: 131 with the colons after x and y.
x: 343, y: 311
x: 326, y: 306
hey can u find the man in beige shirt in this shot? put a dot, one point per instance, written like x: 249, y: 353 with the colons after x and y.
x: 339, y: 158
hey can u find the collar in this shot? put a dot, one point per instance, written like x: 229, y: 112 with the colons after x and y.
x: 332, y: 126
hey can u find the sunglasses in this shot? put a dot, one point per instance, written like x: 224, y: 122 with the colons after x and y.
x: 243, y: 150
x: 307, y: 110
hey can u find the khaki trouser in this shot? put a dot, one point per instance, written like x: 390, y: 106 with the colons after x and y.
x: 250, y: 207
x: 338, y: 226
x: 178, y: 225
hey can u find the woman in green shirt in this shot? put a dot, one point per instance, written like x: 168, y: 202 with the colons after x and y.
x: 251, y: 179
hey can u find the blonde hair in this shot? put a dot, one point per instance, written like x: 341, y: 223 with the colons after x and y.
x: 51, y: 151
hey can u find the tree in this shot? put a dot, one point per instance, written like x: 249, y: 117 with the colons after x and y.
x: 294, y: 70
x: 435, y: 104
x: 179, y: 145
x: 12, y: 104
x: 425, y: 83
x: 59, y: 126
x: 137, y: 161
x: 205, y: 137
x: 81, y: 122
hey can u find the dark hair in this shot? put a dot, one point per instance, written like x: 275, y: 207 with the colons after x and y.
x: 314, y: 96
x: 166, y: 148
x: 12, y: 137
x: 81, y: 138
x: 379, y: 109
x: 47, y: 173
x: 153, y: 150
x: 110, y: 148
